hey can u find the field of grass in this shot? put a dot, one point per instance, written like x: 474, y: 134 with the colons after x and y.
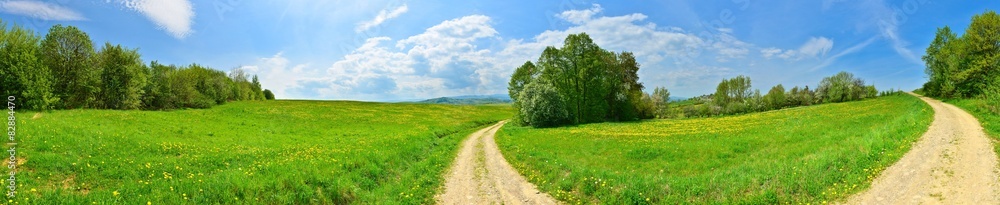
x: 809, y: 154
x: 274, y: 152
x: 990, y: 121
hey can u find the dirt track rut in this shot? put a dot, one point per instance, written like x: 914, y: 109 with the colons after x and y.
x: 480, y: 175
x: 952, y: 163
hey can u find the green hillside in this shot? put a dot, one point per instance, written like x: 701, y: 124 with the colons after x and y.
x: 252, y: 152
x: 811, y: 154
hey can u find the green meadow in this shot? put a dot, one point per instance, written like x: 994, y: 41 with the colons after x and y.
x: 812, y: 154
x: 246, y: 152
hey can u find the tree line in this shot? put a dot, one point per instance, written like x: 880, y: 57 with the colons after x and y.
x: 736, y: 96
x: 966, y: 66
x: 62, y: 70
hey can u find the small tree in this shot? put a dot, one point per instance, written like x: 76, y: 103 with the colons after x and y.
x: 661, y: 101
x: 542, y: 106
x: 775, y: 98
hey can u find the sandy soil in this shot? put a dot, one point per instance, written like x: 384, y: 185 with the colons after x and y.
x: 952, y: 163
x: 480, y: 175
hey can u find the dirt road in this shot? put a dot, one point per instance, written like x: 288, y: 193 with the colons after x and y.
x: 952, y: 163
x: 480, y: 175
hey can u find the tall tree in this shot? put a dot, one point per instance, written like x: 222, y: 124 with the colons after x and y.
x: 734, y: 90
x: 123, y: 76
x: 936, y: 60
x: 255, y: 87
x: 158, y: 93
x: 521, y: 77
x: 68, y: 52
x: 21, y: 72
x: 983, y: 44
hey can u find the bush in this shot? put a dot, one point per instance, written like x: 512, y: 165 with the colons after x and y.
x: 992, y: 96
x: 268, y: 95
x: 542, y: 106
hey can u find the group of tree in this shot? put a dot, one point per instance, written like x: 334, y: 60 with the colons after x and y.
x: 64, y: 71
x: 579, y: 83
x: 966, y: 66
x: 735, y: 96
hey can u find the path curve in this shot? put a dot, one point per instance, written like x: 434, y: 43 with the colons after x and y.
x: 952, y: 163
x: 480, y: 175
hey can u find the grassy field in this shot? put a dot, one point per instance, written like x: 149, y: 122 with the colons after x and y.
x: 990, y: 121
x: 274, y: 152
x: 809, y: 154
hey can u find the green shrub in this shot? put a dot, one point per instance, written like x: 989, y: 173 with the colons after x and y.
x: 992, y: 96
x: 542, y: 106
x: 268, y: 95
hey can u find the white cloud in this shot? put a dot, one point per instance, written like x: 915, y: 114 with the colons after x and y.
x: 40, y: 10
x: 580, y: 16
x: 443, y: 60
x: 627, y: 32
x: 852, y: 49
x: 382, y: 16
x: 888, y: 20
x: 173, y: 16
x: 728, y: 47
x: 813, y: 48
x: 816, y: 47
x: 769, y: 52
x: 275, y: 74
x: 466, y: 55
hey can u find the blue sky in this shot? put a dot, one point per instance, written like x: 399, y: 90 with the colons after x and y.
x: 401, y: 50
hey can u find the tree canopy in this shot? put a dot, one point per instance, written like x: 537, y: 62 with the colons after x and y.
x: 594, y: 84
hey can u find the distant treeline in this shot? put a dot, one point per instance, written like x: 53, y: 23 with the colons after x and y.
x: 734, y: 96
x: 966, y: 66
x: 64, y: 71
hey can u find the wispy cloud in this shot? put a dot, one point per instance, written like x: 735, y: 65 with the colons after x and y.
x: 815, y: 47
x: 40, y: 10
x: 382, y: 16
x: 852, y: 49
x: 888, y: 21
x: 173, y: 16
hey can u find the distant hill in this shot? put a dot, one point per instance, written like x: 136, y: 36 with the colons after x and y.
x: 469, y: 100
